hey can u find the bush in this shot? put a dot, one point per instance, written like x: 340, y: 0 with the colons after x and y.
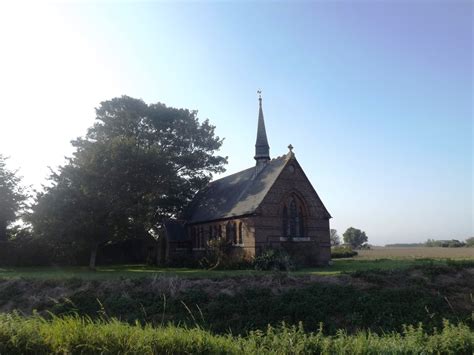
x: 274, y: 260
x: 25, y: 251
x: 221, y: 254
x: 342, y: 252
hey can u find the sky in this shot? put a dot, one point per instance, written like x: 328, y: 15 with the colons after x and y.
x: 375, y: 96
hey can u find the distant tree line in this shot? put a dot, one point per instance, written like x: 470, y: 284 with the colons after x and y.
x: 405, y: 245
x: 452, y: 243
x: 136, y: 167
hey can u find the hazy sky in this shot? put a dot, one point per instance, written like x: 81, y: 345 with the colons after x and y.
x: 375, y: 96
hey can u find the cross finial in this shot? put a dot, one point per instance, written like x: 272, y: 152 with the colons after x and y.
x: 290, y: 147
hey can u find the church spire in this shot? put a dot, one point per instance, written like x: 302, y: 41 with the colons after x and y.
x: 262, y: 149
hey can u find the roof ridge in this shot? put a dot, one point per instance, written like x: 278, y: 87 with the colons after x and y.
x: 228, y: 176
x: 237, y: 194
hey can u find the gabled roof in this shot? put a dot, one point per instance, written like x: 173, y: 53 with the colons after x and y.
x: 235, y: 195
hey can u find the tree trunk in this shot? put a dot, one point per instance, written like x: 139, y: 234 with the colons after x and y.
x: 93, y: 257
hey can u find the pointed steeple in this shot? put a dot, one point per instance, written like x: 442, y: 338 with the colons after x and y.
x: 262, y: 149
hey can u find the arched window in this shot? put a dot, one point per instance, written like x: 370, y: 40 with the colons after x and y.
x: 293, y: 218
x: 301, y: 222
x: 228, y: 232
x: 234, y: 233
x: 241, y: 238
x: 286, y: 226
x: 202, y: 241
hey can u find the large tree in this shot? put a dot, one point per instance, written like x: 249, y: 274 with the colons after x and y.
x: 12, y: 197
x: 355, y: 237
x: 334, y: 237
x: 137, y: 165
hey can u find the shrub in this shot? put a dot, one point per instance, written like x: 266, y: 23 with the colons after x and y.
x: 274, y: 260
x: 342, y: 252
x: 470, y: 242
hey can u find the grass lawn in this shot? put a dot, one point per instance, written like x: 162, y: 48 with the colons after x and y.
x: 133, y: 271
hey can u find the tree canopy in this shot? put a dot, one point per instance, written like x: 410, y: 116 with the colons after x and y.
x: 334, y: 237
x: 355, y: 237
x: 137, y: 165
x: 12, y: 197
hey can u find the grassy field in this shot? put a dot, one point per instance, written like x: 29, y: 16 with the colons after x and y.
x: 416, y: 253
x: 138, y: 271
x: 378, y: 258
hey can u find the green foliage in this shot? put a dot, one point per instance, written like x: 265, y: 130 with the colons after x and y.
x: 24, y: 250
x: 342, y: 252
x: 334, y: 237
x: 470, y: 242
x: 12, y: 197
x: 74, y: 334
x: 355, y: 237
x: 138, y: 165
x: 453, y: 243
x: 218, y: 254
x: 274, y: 260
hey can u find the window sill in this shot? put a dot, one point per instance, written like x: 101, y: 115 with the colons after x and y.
x: 295, y: 239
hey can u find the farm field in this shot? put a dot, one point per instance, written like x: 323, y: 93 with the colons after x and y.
x: 415, y: 253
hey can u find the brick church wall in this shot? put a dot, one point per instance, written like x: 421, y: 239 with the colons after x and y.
x: 246, y: 248
x: 264, y: 228
x: 314, y: 248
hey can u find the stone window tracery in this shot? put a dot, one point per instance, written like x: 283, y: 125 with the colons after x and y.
x: 293, y: 218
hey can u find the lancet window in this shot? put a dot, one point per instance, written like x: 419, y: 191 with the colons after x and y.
x: 293, y: 218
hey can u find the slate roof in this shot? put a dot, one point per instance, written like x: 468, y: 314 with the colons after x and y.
x: 237, y: 194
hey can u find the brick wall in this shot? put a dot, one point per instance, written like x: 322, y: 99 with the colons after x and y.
x: 314, y: 246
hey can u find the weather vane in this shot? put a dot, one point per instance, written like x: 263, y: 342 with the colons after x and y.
x: 259, y: 92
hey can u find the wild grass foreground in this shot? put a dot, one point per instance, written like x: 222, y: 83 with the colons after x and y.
x: 79, y: 335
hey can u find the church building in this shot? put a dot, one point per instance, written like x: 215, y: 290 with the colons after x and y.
x: 269, y: 205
